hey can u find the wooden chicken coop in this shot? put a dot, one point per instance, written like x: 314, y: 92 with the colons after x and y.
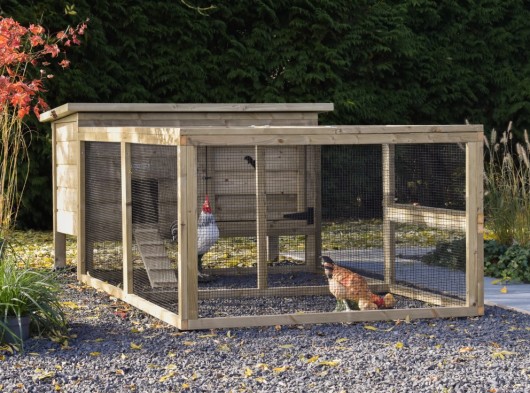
x: 400, y: 206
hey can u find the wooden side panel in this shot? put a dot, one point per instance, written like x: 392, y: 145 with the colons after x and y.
x: 66, y: 177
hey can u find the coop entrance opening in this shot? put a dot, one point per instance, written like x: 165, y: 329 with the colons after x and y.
x: 145, y: 201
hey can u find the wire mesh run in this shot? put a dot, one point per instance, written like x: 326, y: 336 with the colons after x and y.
x: 104, y: 249
x: 391, y: 219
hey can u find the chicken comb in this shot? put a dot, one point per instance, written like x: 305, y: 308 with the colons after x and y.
x: 206, y: 205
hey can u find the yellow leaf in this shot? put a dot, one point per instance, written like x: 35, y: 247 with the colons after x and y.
x: 189, y: 343
x: 259, y: 379
x: 171, y: 366
x: 185, y: 386
x: 120, y: 372
x: 341, y: 340
x: 465, y: 349
x: 98, y: 340
x: 123, y: 356
x: 2, y: 357
x: 95, y: 353
x: 70, y: 305
x: 502, y: 354
x: 280, y: 369
x: 504, y: 289
x: 57, y: 387
x: 223, y: 348
x: 285, y: 346
x: 369, y: 327
x: 399, y: 345
x: 208, y: 335
x: 248, y: 372
x: 164, y: 378
x: 262, y: 366
x: 312, y: 359
x: 58, y: 367
x: 330, y: 363
x: 438, y: 346
x: 136, y: 346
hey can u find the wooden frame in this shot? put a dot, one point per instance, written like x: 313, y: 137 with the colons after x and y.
x: 191, y: 127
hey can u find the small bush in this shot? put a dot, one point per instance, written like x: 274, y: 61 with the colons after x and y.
x: 449, y: 254
x: 508, y: 263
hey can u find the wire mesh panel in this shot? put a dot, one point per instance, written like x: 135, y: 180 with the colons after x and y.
x: 154, y: 195
x: 265, y: 204
x: 103, y: 228
x: 396, y: 222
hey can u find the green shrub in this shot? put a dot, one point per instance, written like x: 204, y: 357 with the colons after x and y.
x: 508, y: 263
x: 448, y: 253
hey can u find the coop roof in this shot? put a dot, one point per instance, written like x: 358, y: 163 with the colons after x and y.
x: 70, y: 108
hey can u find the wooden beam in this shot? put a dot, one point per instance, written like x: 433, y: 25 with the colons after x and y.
x: 389, y: 227
x: 187, y: 233
x: 474, y: 225
x: 261, y: 217
x: 321, y: 136
x: 81, y: 216
x: 331, y: 317
x: 69, y: 108
x: 126, y: 212
x: 429, y: 216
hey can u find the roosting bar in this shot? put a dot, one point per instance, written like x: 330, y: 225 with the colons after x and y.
x: 399, y: 205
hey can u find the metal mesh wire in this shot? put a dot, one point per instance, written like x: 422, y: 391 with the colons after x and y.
x: 154, y: 214
x: 103, y: 253
x: 277, y: 210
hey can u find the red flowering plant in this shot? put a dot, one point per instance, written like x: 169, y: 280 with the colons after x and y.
x: 26, y: 53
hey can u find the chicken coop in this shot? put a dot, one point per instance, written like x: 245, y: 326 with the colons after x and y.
x: 399, y: 207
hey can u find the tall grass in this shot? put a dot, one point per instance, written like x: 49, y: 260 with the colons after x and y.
x: 507, y: 188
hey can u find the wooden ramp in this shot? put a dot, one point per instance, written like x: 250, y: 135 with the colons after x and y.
x: 157, y: 264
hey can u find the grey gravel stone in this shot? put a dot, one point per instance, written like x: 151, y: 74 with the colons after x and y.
x: 484, y: 354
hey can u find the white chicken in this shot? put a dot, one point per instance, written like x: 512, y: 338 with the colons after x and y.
x: 207, y: 235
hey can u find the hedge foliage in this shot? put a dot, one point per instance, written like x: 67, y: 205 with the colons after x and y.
x: 380, y: 62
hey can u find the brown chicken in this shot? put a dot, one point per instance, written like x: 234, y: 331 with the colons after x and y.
x: 346, y: 286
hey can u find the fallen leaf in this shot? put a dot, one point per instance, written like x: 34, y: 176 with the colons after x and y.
x: 399, y: 345
x: 164, y: 378
x: 95, y: 353
x: 504, y: 289
x: 248, y: 372
x: 136, y: 346
x: 341, y: 340
x: 502, y: 354
x: 286, y: 346
x: 311, y: 359
x: 369, y: 327
x: 330, y: 363
x: 70, y: 305
x: 208, y: 335
x: 223, y: 348
x: 262, y: 366
x: 465, y: 349
x: 280, y: 369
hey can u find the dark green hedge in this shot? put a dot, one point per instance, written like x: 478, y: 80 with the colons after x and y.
x: 380, y: 62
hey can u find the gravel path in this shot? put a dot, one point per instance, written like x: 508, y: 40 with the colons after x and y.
x: 115, y: 348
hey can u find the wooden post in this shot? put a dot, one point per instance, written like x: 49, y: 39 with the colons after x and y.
x: 187, y: 234
x: 59, y: 239
x: 126, y: 214
x: 261, y: 217
x: 81, y: 239
x: 389, y: 227
x: 474, y: 226
x: 313, y: 246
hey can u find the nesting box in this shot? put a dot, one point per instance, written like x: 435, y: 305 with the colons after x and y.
x: 398, y: 206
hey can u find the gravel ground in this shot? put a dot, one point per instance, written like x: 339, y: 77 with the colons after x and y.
x: 115, y: 348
